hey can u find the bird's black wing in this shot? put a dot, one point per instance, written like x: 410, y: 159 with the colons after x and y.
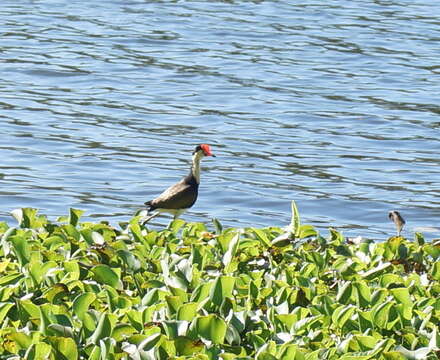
x: 178, y: 196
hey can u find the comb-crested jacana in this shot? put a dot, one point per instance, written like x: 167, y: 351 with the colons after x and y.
x: 181, y: 196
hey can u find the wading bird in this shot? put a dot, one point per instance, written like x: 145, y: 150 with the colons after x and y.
x: 181, y: 196
x: 397, y: 219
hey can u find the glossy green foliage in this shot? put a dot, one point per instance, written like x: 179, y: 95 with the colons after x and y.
x: 79, y: 290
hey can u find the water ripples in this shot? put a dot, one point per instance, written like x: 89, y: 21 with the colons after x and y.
x: 334, y: 105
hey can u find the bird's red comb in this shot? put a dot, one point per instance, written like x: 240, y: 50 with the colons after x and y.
x: 206, y: 149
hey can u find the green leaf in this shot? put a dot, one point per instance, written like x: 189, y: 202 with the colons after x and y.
x: 38, y: 351
x: 103, y: 330
x: 261, y: 235
x: 217, y: 225
x: 65, y: 348
x: 187, y: 311
x: 22, y: 340
x: 4, y: 309
x: 402, y: 296
x: 306, y: 231
x: 82, y: 302
x: 376, y: 271
x: 28, y: 219
x: 434, y: 342
x: 106, y: 275
x: 21, y: 248
x: 344, y: 293
x: 221, y: 289
x: 150, y: 342
x: 381, y: 314
x: 74, y: 216
x: 173, y: 302
x: 435, y: 272
x: 46, y: 318
x: 38, y: 270
x: 342, y: 314
x: 295, y: 221
x: 419, y: 354
x: 186, y: 346
x: 129, y: 259
x: 230, y: 253
x: 363, y: 293
x: 176, y: 225
x: 211, y: 327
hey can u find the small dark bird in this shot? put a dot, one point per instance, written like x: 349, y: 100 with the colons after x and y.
x: 397, y: 219
x: 181, y: 196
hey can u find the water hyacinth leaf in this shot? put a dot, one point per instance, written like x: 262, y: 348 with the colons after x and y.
x: 295, y: 221
x: 39, y: 351
x: 103, y: 329
x: 122, y: 331
x: 201, y: 292
x: 56, y: 293
x: 376, y: 271
x: 175, y: 328
x: 136, y: 232
x: 150, y: 342
x: 22, y: 340
x: 82, y: 302
x: 187, y: 347
x: 381, y: 314
x: 106, y: 275
x: 402, y: 296
x: 173, y: 302
x: 363, y: 293
x: 64, y: 348
x: 434, y: 342
x: 176, y: 225
x: 342, y: 314
x: 306, y: 231
x: 221, y: 289
x: 290, y: 352
x: 74, y: 216
x: 393, y: 355
x: 60, y: 330
x: 261, y: 235
x: 217, y: 226
x: 211, y: 328
x: 130, y: 260
x: 4, y: 309
x: 21, y: 248
x: 95, y: 354
x: 432, y: 250
x: 28, y: 218
x: 46, y: 318
x: 344, y: 293
x: 187, y: 311
x: 419, y: 354
x: 38, y: 270
x: 230, y: 253
x: 435, y: 272
x: 97, y: 238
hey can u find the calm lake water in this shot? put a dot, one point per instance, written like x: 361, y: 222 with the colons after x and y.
x: 334, y: 104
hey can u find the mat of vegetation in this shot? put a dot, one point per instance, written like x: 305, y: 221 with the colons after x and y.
x: 82, y: 290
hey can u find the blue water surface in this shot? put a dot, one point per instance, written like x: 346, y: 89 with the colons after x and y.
x: 332, y: 104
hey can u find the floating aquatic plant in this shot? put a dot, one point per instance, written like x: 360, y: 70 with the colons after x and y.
x: 81, y: 290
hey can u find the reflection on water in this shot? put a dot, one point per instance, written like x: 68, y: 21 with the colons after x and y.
x: 333, y: 105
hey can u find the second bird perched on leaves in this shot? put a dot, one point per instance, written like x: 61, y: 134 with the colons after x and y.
x: 181, y: 196
x: 397, y: 219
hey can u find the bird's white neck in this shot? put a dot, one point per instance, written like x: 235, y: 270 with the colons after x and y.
x: 195, y: 168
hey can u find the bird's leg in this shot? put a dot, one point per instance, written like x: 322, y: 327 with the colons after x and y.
x: 148, y: 218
